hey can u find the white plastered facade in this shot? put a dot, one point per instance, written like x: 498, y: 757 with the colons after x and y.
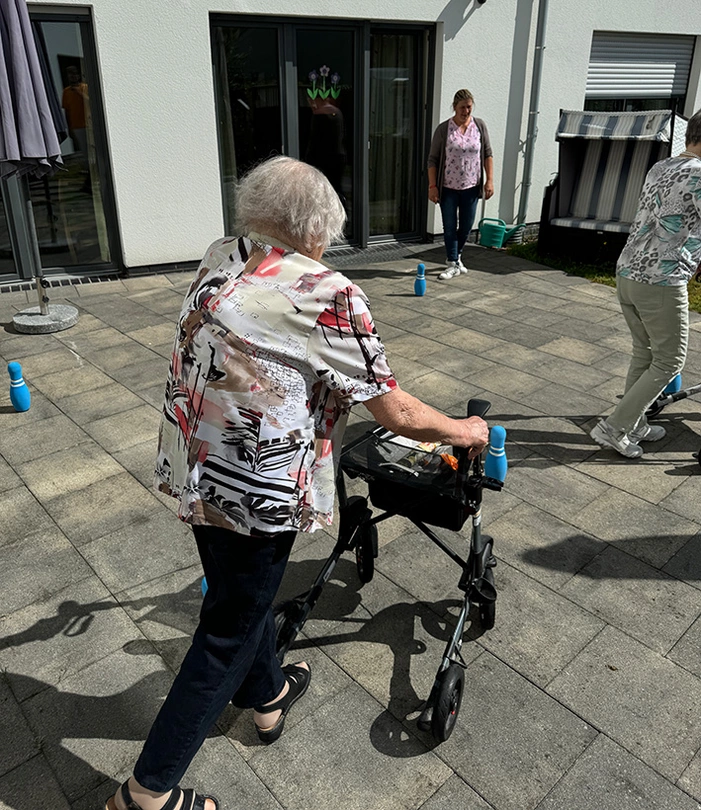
x: 157, y: 84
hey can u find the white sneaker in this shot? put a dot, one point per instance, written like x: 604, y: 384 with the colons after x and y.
x: 461, y: 266
x: 452, y: 269
x: 606, y: 435
x: 647, y: 433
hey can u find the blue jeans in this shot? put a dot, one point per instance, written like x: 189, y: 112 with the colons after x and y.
x: 232, y: 657
x: 457, y: 206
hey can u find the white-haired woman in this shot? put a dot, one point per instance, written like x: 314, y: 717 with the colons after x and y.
x: 460, y: 170
x: 272, y: 349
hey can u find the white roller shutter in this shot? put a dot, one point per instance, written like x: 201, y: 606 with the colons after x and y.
x: 638, y: 65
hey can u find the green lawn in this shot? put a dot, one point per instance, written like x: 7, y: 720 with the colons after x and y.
x: 598, y: 273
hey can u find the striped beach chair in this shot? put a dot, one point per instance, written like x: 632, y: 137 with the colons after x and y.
x: 604, y: 158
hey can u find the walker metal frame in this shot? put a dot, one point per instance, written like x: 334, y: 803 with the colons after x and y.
x: 358, y: 533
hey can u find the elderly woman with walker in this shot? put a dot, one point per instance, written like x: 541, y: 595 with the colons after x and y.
x: 272, y: 349
x: 460, y: 171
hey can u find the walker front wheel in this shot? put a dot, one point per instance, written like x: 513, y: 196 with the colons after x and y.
x: 449, y: 698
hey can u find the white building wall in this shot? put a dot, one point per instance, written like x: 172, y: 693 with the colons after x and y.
x: 155, y: 66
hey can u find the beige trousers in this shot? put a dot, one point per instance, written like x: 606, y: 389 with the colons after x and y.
x: 658, y: 319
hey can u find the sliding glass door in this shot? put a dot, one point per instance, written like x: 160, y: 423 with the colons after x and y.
x: 346, y: 97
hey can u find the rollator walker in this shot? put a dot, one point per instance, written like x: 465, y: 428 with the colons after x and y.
x: 429, y: 489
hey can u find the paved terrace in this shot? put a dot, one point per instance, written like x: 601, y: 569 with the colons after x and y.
x: 584, y: 695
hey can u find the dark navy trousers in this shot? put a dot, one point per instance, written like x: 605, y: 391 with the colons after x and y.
x: 458, y: 209
x: 232, y: 656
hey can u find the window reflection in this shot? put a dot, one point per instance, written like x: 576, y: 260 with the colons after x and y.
x: 248, y: 103
x: 68, y: 207
x: 7, y: 264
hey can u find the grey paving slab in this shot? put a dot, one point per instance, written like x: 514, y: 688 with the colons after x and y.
x: 638, y: 698
x: 95, y: 723
x: 328, y: 680
x: 606, y: 777
x: 413, y: 347
x: 125, y: 429
x: 580, y: 351
x: 54, y: 638
x: 683, y: 499
x: 687, y: 651
x: 149, y: 282
x: 636, y: 526
x: 68, y: 470
x: 140, y: 461
x: 30, y: 786
x: 27, y: 442
x: 60, y: 358
x: 457, y: 363
x: 542, y: 546
x: 442, y: 391
x: 635, y: 597
x: 36, y: 566
x: 101, y: 508
x: 555, y: 489
x: 123, y: 354
x: 507, y: 382
x: 60, y: 384
x: 420, y: 568
x: 17, y: 742
x: 21, y: 515
x: 220, y: 771
x: 315, y: 762
x: 141, y: 551
x: 95, y: 340
x: 41, y: 408
x: 8, y: 477
x: 455, y: 794
x: 101, y: 402
x: 406, y: 370
x: 690, y: 780
x: 166, y: 611
x: 686, y: 563
x: 140, y: 376
x: 511, y: 742
x: 653, y: 479
x: 536, y: 316
x: 537, y: 631
x: 14, y: 346
x: 395, y: 653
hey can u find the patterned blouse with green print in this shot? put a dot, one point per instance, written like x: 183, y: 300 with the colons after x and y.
x: 664, y: 246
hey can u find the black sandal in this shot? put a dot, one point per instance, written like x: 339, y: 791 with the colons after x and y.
x: 191, y: 800
x: 298, y: 679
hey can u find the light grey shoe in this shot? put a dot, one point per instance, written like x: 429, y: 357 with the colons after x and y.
x: 461, y: 266
x: 647, y: 433
x: 452, y: 269
x: 606, y: 435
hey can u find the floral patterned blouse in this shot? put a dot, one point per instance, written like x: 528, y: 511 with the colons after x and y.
x: 664, y: 246
x: 272, y: 349
x: 463, y: 167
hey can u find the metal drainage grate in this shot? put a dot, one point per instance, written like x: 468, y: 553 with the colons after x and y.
x: 25, y: 286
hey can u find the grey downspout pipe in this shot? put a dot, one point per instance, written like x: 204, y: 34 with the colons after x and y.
x: 533, y: 110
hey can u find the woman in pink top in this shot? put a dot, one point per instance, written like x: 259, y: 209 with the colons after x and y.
x: 459, y: 158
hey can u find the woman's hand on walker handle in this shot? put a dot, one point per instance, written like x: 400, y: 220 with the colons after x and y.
x: 408, y: 416
x: 476, y: 435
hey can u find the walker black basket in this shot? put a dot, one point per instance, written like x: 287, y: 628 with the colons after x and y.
x: 405, y: 480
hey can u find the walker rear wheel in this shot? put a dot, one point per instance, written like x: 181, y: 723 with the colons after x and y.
x: 366, y: 551
x: 449, y: 698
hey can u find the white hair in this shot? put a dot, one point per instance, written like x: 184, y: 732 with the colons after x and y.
x: 292, y: 199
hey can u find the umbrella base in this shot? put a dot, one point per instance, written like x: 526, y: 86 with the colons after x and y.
x: 32, y: 322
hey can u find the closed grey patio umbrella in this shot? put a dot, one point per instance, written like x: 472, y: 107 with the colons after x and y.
x: 28, y: 142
